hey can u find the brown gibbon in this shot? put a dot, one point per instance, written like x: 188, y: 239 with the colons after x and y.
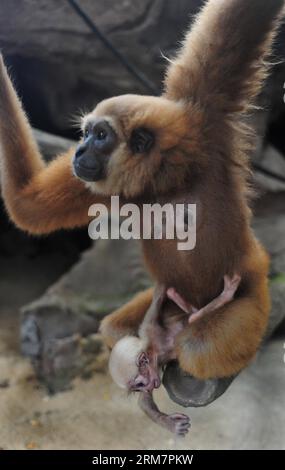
x: 191, y: 146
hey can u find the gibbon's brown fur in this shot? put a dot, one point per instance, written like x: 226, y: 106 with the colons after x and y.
x: 199, y: 156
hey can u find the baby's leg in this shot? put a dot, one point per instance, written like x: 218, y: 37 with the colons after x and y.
x: 230, y: 288
x: 223, y: 344
x: 127, y: 319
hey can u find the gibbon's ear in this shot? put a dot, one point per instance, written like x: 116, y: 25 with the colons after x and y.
x: 221, y: 64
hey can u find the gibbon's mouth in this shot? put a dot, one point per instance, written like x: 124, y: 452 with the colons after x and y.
x: 93, y: 153
x: 90, y: 174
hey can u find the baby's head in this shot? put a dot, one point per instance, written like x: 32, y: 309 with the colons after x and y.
x: 131, y: 366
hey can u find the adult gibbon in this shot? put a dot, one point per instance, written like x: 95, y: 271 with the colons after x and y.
x: 190, y: 145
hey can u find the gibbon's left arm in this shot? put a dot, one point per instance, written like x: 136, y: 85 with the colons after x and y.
x: 39, y: 198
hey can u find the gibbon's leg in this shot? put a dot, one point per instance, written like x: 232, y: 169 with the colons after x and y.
x: 230, y: 287
x: 39, y: 198
x: 150, y: 325
x: 221, y: 345
x: 221, y: 64
x: 127, y: 319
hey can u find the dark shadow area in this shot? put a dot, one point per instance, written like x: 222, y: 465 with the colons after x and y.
x: 28, y: 265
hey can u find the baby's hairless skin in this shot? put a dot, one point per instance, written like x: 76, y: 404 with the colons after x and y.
x: 230, y: 287
x: 155, y: 347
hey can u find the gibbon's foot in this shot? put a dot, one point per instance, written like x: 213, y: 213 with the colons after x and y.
x: 173, y: 295
x: 176, y: 423
x: 230, y: 288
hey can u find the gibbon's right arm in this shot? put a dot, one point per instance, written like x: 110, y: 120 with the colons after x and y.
x: 222, y: 63
x: 39, y: 198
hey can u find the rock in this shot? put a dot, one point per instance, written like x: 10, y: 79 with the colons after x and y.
x: 55, y: 327
x: 270, y: 158
x: 187, y: 391
x: 51, y: 145
x: 75, y: 355
x: 61, y: 66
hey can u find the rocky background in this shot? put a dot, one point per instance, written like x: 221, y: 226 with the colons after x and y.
x: 61, y: 68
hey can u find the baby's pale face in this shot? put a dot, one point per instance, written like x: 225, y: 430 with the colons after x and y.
x: 123, y: 365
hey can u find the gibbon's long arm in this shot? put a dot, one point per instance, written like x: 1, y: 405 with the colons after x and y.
x: 221, y: 64
x: 39, y: 198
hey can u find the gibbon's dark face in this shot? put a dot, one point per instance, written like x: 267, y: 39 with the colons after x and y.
x: 132, y: 144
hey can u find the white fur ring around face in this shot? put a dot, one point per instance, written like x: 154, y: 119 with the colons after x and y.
x: 122, y: 362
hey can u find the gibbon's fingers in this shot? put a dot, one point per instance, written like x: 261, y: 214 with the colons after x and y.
x: 221, y: 64
x: 39, y: 199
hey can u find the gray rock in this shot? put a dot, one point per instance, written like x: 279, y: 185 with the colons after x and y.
x: 51, y: 145
x: 75, y: 355
x: 62, y: 67
x: 270, y: 158
x: 53, y: 327
x: 187, y: 391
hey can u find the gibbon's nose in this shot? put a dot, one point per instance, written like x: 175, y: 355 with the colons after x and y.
x: 141, y: 382
x: 92, y: 155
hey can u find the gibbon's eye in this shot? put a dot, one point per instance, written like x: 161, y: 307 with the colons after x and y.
x: 100, y: 134
x: 142, y: 140
x: 86, y: 133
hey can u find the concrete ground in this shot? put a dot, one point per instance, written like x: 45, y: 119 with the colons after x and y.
x: 95, y: 414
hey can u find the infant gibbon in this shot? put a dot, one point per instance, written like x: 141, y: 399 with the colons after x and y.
x: 188, y: 146
x: 135, y: 361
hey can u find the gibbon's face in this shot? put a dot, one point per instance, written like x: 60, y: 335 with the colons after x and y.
x: 133, y: 368
x: 134, y: 144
